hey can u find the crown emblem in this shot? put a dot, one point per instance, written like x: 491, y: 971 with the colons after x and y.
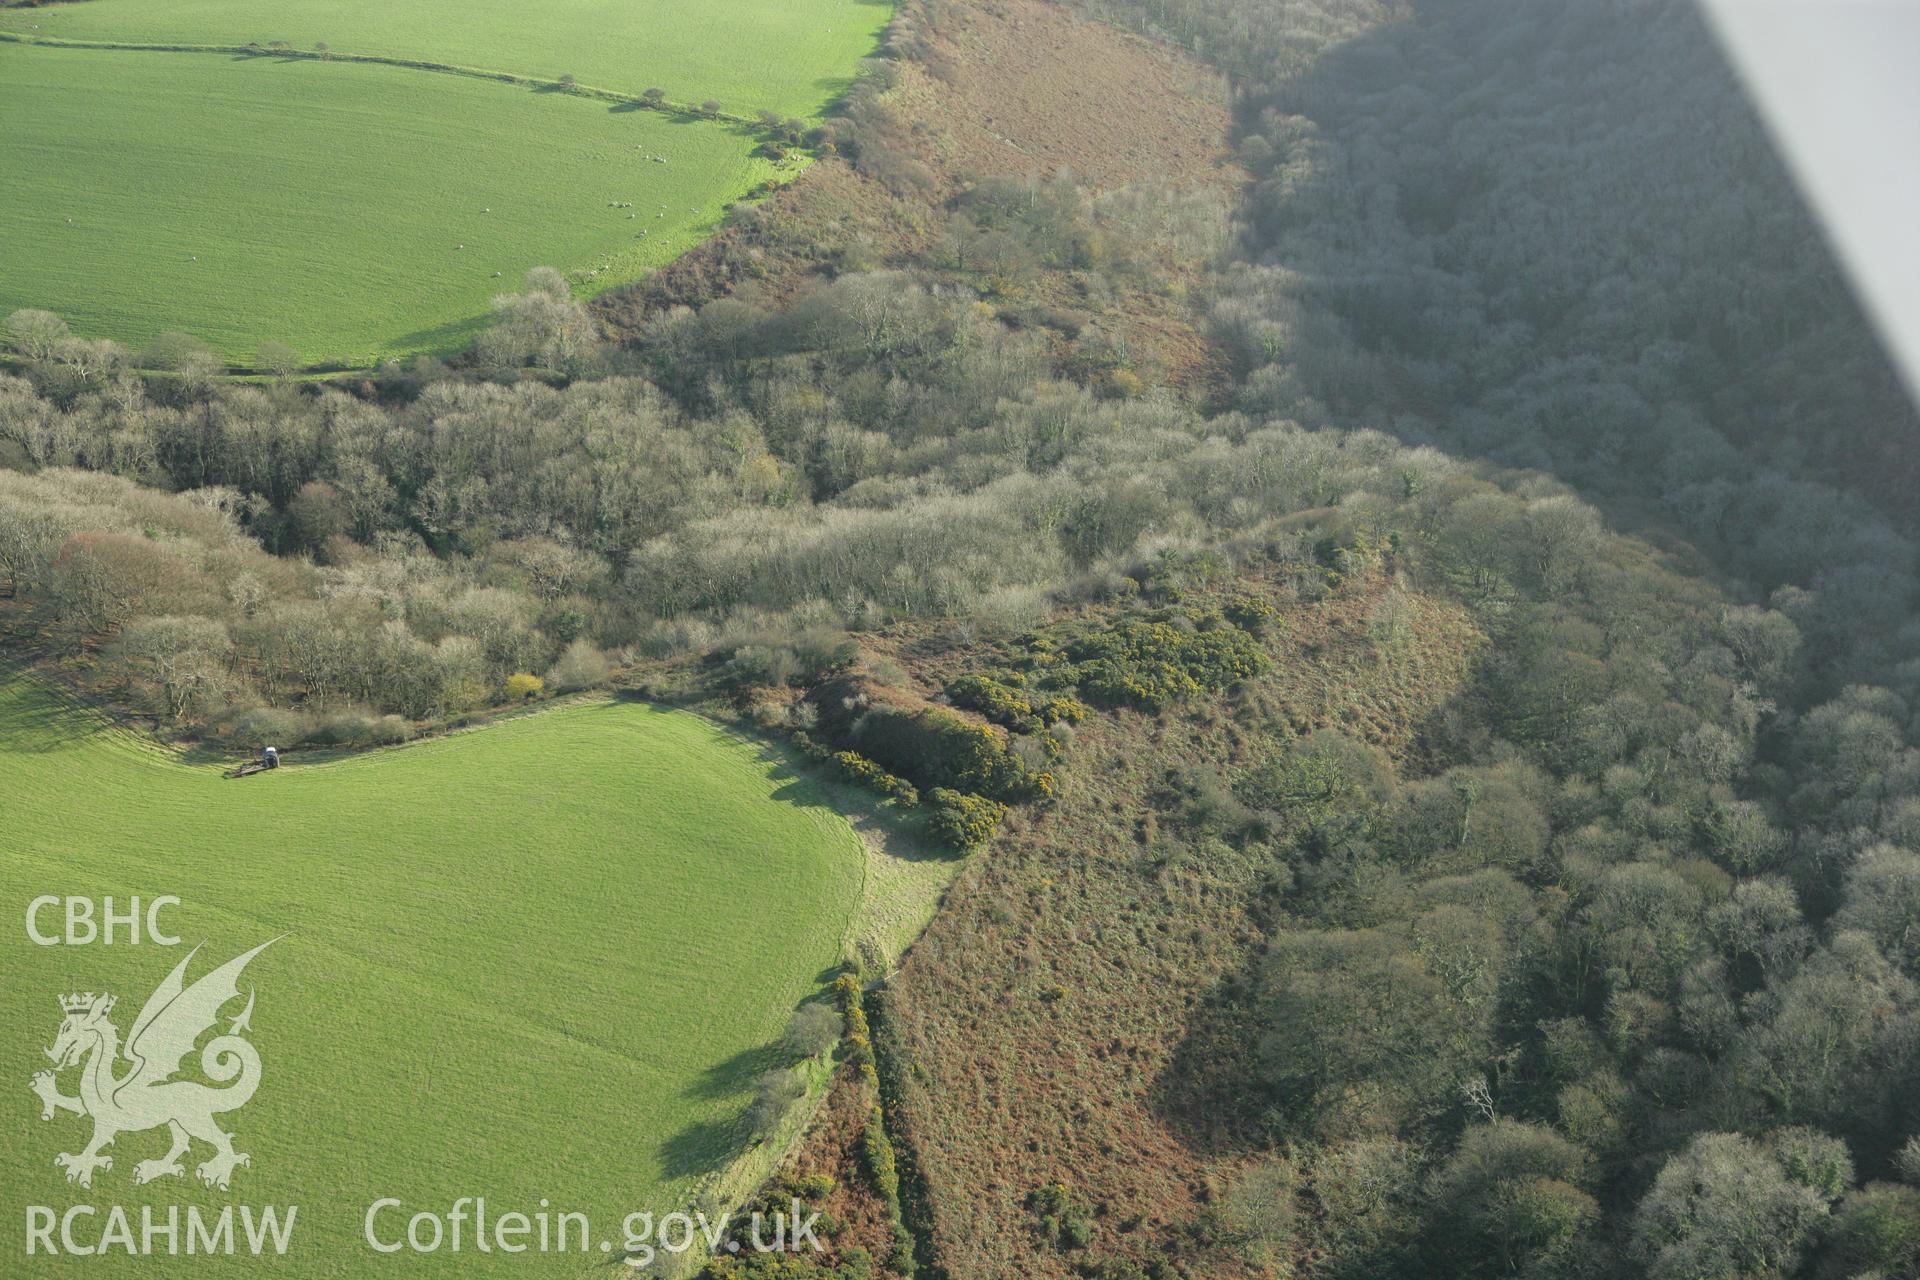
x: 78, y: 1003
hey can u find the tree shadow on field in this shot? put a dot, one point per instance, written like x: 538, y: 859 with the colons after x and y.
x: 199, y: 753
x: 38, y: 725
x: 805, y: 787
x: 1211, y: 1093
x: 691, y: 120
x: 439, y: 340
x: 736, y: 1074
x: 699, y: 1149
x: 668, y: 115
x: 284, y: 57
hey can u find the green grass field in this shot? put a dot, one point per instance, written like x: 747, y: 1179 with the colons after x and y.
x: 537, y: 960
x: 789, y: 56
x: 322, y: 204
x: 253, y: 198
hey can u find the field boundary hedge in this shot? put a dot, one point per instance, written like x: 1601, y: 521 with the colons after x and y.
x: 912, y: 1204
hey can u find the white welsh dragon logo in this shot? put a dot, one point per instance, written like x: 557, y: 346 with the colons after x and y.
x: 146, y: 1096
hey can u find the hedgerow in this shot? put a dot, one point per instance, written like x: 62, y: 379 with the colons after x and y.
x: 882, y: 1165
x: 859, y: 1036
x: 876, y: 1148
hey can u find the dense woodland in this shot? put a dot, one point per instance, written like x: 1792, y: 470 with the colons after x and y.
x: 1556, y: 237
x: 1622, y: 978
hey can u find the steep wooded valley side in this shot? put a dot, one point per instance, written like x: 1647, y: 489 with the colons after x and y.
x: 1327, y: 512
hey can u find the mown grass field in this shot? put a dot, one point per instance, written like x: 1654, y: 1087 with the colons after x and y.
x: 250, y: 198
x: 538, y: 960
x: 324, y: 204
x: 790, y: 56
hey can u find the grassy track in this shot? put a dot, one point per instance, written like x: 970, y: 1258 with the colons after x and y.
x: 324, y: 202
x: 534, y: 961
x: 790, y: 56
